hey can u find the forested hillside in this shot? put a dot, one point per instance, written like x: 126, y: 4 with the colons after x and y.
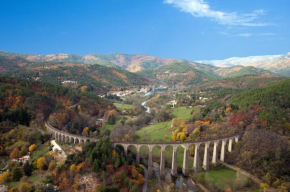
x: 24, y: 100
x: 264, y: 149
x: 185, y: 73
x: 94, y: 77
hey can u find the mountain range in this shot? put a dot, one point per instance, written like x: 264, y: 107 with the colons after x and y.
x: 117, y: 70
x: 279, y: 64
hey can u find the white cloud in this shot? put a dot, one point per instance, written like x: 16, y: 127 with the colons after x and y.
x: 244, y: 35
x: 267, y: 34
x: 200, y: 8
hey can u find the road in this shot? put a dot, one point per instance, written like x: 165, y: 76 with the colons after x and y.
x: 60, y: 157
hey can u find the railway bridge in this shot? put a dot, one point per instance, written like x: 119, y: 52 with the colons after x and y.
x: 219, y: 149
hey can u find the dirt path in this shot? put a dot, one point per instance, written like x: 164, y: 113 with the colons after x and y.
x: 253, y: 177
x: 61, y: 155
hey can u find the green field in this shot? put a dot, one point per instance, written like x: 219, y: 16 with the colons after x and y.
x: 35, y: 178
x: 39, y: 152
x: 182, y: 112
x: 121, y: 106
x: 156, y: 133
x: 220, y: 175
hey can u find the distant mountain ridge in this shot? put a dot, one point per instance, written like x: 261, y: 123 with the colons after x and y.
x: 279, y: 64
x: 162, y: 70
x: 96, y: 77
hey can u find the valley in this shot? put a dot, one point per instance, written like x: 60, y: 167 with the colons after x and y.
x: 176, y: 126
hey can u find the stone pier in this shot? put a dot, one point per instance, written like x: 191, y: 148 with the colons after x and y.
x: 215, y: 153
x: 185, y: 161
x: 174, y: 161
x: 162, y: 162
x: 223, y: 150
x: 206, y: 157
x: 196, y: 158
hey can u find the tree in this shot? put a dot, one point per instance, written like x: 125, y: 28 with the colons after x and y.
x: 117, y: 163
x: 4, y: 177
x: 41, y: 163
x: 86, y: 131
x: 96, y: 166
x: 15, y: 153
x: 112, y: 120
x: 72, y: 168
x: 27, y: 168
x: 264, y: 186
x: 24, y: 187
x: 114, y: 179
x: 16, y: 174
x: 23, y: 151
x: 32, y: 148
x: 52, y: 165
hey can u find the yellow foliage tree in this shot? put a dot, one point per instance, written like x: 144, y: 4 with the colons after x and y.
x: 173, y: 137
x: 79, y: 108
x: 41, y: 163
x: 158, y: 190
x: 181, y: 136
x: 86, y: 131
x: 4, y: 177
x: 72, y: 168
x: 264, y: 186
x: 24, y: 187
x: 114, y: 153
x: 84, y: 88
x: 32, y: 147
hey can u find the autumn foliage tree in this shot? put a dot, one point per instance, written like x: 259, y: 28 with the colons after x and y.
x: 4, y: 177
x: 32, y: 148
x: 15, y: 153
x: 41, y: 163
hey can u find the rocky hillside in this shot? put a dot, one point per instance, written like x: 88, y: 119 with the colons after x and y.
x: 279, y: 64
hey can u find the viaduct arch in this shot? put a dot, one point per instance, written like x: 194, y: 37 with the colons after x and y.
x: 225, y: 143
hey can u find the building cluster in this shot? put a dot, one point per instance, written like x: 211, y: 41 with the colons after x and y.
x: 69, y: 82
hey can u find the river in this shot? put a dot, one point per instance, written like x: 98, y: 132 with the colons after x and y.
x: 144, y: 105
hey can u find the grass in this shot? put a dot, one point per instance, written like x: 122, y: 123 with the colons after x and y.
x: 36, y: 177
x: 220, y: 175
x: 39, y: 152
x: 109, y: 127
x: 121, y: 106
x: 182, y: 112
x: 155, y: 132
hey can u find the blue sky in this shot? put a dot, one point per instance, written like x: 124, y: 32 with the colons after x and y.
x: 185, y: 29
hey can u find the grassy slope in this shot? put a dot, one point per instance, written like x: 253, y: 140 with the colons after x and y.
x: 121, y: 106
x: 156, y: 132
x: 182, y: 112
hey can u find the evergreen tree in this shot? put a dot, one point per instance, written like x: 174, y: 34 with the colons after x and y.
x: 117, y: 163
x: 96, y: 166
x: 16, y: 174
x: 27, y: 168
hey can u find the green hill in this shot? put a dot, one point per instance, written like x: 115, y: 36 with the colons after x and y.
x: 96, y: 77
x: 21, y: 100
x: 274, y: 100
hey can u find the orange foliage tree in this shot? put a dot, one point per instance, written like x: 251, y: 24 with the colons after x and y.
x: 15, y: 153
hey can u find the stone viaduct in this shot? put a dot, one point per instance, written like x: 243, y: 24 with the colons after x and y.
x: 226, y: 144
x: 67, y: 137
